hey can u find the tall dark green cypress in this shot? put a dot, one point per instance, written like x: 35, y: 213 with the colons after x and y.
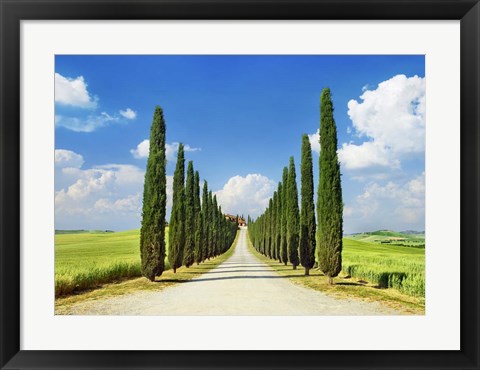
x: 198, y: 221
x: 293, y: 219
x: 283, y: 244
x: 329, y: 202
x: 307, y: 209
x: 215, y: 225
x: 211, y: 226
x: 152, y: 233
x: 189, y: 251
x: 274, y: 224
x: 177, y: 218
x: 266, y: 223
x: 270, y: 227
x: 278, y: 229
x: 206, y: 223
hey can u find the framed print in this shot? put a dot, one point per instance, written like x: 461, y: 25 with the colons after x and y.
x: 275, y: 184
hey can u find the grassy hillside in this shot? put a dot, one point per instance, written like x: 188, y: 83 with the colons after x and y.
x: 81, y: 231
x: 85, y: 260
x: 408, y: 239
x: 387, y: 266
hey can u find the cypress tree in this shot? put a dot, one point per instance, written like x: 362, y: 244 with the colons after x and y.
x: 216, y: 223
x: 269, y: 228
x: 206, y: 224
x: 274, y: 225
x: 213, y: 226
x: 223, y: 231
x: 198, y: 221
x: 266, y: 221
x: 189, y: 252
x: 152, y: 233
x: 283, y: 244
x: 293, y: 219
x: 177, y: 218
x: 329, y: 203
x: 278, y: 229
x: 307, y: 211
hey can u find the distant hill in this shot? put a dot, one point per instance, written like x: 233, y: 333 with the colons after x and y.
x: 83, y: 231
x: 413, y: 232
x: 407, y: 239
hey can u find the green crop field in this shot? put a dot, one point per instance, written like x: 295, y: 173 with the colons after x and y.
x: 85, y: 260
x: 391, y: 237
x: 388, y: 266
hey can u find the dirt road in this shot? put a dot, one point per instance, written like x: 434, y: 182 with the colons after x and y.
x: 242, y: 285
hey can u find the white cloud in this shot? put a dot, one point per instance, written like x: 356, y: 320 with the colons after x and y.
x: 169, y: 195
x: 67, y: 158
x: 129, y: 204
x: 73, y: 92
x: 172, y: 149
x: 142, y: 150
x: 102, y: 197
x: 392, y: 119
x: 247, y: 195
x: 394, y: 205
x: 315, y: 141
x: 128, y: 113
x: 366, y: 155
x: 88, y: 124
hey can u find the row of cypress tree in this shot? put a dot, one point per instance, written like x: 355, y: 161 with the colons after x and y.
x: 198, y: 229
x: 289, y: 233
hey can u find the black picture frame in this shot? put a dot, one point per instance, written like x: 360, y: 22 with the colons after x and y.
x: 12, y: 12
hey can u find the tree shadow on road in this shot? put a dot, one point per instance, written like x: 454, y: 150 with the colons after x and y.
x: 238, y: 266
x: 240, y: 277
x: 229, y: 271
x: 180, y: 280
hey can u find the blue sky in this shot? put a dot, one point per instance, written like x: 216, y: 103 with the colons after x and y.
x: 241, y: 118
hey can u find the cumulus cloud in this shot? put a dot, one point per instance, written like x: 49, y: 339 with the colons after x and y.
x: 88, y: 124
x: 392, y: 120
x: 73, y: 92
x: 247, y: 195
x: 142, y: 150
x: 393, y: 205
x: 172, y: 149
x: 67, y: 158
x: 128, y: 113
x: 369, y: 154
x: 315, y: 141
x: 129, y: 204
x: 102, y: 197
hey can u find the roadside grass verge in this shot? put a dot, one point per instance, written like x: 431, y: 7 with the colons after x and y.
x: 88, y: 260
x: 387, y: 266
x: 64, y: 304
x: 347, y: 287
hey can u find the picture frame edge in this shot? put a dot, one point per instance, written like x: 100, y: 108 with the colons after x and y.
x: 11, y: 357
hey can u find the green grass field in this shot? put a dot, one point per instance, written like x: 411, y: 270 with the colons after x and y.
x: 84, y: 260
x: 390, y: 237
x: 387, y: 266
